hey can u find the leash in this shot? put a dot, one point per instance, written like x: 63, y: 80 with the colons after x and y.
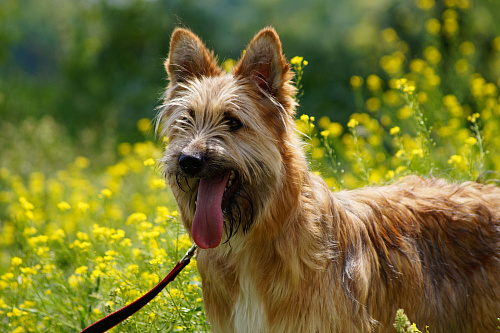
x: 120, y: 315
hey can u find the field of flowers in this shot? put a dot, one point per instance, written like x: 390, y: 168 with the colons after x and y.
x: 78, y: 240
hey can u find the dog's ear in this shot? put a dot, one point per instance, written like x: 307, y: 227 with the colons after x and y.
x: 189, y: 57
x: 264, y: 62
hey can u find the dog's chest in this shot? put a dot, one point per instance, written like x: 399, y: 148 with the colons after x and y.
x: 248, y: 311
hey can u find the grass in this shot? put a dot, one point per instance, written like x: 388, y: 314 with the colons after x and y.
x: 82, y: 234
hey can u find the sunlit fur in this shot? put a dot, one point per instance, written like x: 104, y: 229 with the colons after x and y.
x: 297, y: 257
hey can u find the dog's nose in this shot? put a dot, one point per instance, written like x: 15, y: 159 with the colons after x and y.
x: 191, y: 164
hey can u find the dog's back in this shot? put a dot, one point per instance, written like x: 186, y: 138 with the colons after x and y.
x: 433, y: 249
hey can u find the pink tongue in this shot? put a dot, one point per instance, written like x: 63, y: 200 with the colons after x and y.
x: 208, y: 225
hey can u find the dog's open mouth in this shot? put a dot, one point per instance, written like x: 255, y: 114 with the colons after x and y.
x: 214, y: 195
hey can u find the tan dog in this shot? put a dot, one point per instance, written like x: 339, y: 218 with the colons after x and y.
x: 279, y: 251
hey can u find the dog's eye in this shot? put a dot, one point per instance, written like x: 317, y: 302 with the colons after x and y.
x: 233, y: 124
x: 187, y: 119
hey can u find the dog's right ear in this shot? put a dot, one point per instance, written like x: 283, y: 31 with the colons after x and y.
x: 189, y: 57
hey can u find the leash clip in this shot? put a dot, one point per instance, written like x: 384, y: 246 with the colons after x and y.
x: 189, y: 254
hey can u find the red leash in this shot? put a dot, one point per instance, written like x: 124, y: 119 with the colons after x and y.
x: 118, y: 316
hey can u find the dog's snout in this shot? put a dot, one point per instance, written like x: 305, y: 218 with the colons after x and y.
x: 191, y: 164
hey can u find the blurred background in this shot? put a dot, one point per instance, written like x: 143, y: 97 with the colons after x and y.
x: 84, y: 72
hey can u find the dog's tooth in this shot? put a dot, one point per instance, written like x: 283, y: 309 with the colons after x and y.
x: 232, y: 176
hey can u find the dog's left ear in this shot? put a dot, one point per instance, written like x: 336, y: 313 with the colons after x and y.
x: 264, y: 62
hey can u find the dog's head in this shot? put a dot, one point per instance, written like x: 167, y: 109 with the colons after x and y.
x: 226, y: 133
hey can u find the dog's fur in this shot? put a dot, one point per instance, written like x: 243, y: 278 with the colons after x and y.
x: 295, y: 257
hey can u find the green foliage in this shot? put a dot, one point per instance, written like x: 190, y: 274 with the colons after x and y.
x: 419, y: 115
x: 81, y: 241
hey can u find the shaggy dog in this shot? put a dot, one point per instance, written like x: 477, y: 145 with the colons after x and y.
x: 279, y: 251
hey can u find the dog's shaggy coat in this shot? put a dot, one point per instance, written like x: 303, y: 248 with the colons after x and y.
x: 279, y: 251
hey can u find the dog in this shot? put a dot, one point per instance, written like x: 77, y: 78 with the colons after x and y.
x: 278, y: 251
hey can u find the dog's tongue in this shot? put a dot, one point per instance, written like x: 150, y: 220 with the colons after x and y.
x: 208, y: 223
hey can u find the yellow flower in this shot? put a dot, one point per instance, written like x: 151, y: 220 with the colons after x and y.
x: 29, y: 270
x: 325, y: 133
x: 455, y: 159
x: 144, y: 125
x: 110, y: 253
x: 82, y: 270
x: 356, y: 81
x: 432, y: 55
x: 404, y: 112
x: 120, y: 169
x: 133, y: 268
x: 63, y: 206
x: 389, y: 35
x: 395, y: 130
x: 82, y: 206
x: 391, y: 64
x: 156, y: 261
x: 471, y: 141
x: 136, y: 217
x: 149, y: 162
x: 422, y: 97
x: 467, y: 48
x: 433, y: 26
x: 3, y: 305
x: 296, y: 60
x: 105, y: 193
x: 124, y: 148
x: 400, y: 169
x: 228, y: 65
x: 418, y: 152
x: 417, y: 65
x: 450, y: 23
x: 324, y: 122
x: 473, y: 118
x: 136, y: 252
x: 373, y: 82
x: 401, y: 83
x: 373, y: 104
x: 489, y: 89
x: 409, y: 88
x: 389, y: 175
x: 58, y: 235
x: 496, y: 44
x: 425, y: 4
x: 74, y: 281
x: 16, y: 261
x: 158, y: 183
x: 83, y: 236
x: 352, y: 123
x: 335, y: 129
x: 82, y: 162
x: 318, y: 153
x: 26, y: 204
x: 462, y: 66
